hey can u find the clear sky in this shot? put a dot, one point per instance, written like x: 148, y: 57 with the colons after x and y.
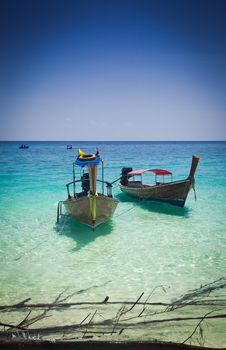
x: 113, y: 70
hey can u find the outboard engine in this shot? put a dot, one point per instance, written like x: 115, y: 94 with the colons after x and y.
x: 85, y: 183
x: 124, y: 176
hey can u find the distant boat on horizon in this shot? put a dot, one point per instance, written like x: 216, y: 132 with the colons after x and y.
x: 23, y: 146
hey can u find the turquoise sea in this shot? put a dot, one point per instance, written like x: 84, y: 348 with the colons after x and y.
x: 146, y: 247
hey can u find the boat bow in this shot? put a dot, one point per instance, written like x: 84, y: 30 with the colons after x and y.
x: 194, y: 164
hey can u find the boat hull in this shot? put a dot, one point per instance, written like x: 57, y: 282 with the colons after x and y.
x: 173, y: 192
x: 79, y: 208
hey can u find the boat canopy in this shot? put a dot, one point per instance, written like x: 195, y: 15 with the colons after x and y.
x: 83, y: 162
x: 84, y: 159
x: 155, y: 171
x: 160, y: 172
x: 137, y: 172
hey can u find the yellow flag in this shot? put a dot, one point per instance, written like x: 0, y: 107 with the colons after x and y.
x: 80, y: 152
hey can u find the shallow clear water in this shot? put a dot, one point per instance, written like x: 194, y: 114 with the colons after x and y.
x: 145, y: 245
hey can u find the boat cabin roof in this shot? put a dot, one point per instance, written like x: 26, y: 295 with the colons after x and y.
x: 155, y: 171
x: 91, y: 159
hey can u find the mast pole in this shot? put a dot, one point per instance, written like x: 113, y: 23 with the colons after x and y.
x: 102, y: 162
x: 74, y: 178
x: 92, y: 195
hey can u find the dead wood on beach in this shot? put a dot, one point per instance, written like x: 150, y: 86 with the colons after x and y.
x: 117, y: 320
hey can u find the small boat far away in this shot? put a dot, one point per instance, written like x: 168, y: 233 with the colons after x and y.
x: 69, y: 146
x: 24, y: 146
x: 173, y: 192
x: 90, y: 205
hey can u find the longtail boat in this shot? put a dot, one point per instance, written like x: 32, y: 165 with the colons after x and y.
x: 88, y: 205
x: 173, y: 192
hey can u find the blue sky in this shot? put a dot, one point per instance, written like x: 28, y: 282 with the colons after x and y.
x: 113, y: 70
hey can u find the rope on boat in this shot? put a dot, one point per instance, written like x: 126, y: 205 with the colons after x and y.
x: 193, y: 187
x: 59, y: 211
x: 124, y: 212
x: 113, y: 182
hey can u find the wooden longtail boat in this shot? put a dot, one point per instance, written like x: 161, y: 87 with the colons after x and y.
x: 173, y: 192
x: 88, y: 205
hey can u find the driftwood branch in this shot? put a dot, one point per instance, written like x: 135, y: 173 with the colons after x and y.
x: 12, y: 326
x: 120, y: 316
x: 209, y: 302
x: 203, y: 290
x: 197, y: 326
x: 83, y: 328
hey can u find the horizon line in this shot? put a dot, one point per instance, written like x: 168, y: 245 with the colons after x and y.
x: 113, y: 140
